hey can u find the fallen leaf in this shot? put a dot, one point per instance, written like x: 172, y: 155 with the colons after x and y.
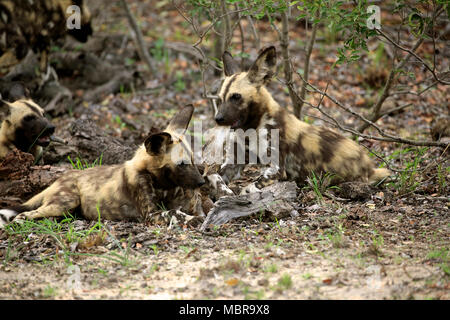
x: 191, y: 252
x: 232, y: 282
x: 371, y: 206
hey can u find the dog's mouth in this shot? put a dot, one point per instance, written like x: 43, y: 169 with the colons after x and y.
x: 236, y: 124
x: 45, y: 138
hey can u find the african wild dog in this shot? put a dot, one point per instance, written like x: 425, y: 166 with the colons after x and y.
x: 24, y: 127
x: 36, y: 25
x: 128, y: 191
x: 245, y: 103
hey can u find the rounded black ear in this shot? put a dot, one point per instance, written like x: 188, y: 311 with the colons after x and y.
x: 156, y: 143
x: 264, y: 67
x: 230, y: 66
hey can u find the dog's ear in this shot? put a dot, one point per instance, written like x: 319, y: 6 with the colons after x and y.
x: 264, y: 67
x: 13, y: 91
x: 230, y: 66
x: 4, y: 109
x: 156, y: 144
x: 180, y: 120
x: 18, y: 91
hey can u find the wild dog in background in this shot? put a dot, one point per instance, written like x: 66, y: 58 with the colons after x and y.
x: 35, y: 25
x: 129, y: 191
x: 245, y: 103
x: 23, y: 127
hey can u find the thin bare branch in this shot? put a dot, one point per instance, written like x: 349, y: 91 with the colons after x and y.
x: 241, y: 31
x: 139, y: 39
x: 309, y: 48
x: 384, y: 136
x: 387, y: 87
x: 254, y: 32
x: 411, y: 52
x: 283, y: 36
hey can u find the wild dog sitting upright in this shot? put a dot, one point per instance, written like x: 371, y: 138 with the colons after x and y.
x: 24, y: 127
x: 245, y: 104
x: 128, y: 191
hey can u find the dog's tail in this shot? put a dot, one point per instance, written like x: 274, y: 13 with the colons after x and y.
x: 379, y: 174
x: 7, y: 215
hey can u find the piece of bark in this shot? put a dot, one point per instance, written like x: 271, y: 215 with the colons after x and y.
x: 276, y: 199
x: 19, y: 179
x: 84, y: 65
x: 120, y: 80
x: 91, y: 142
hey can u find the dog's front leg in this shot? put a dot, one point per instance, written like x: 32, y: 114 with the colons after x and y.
x: 145, y: 197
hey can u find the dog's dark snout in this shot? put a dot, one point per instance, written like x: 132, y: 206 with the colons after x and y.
x: 201, y: 183
x: 50, y: 129
x: 219, y: 118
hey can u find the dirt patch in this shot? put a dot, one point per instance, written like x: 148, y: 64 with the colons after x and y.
x: 329, y: 251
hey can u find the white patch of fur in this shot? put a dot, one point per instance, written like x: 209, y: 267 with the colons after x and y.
x: 219, y: 185
x: 6, y: 215
x: 271, y: 171
x: 266, y: 120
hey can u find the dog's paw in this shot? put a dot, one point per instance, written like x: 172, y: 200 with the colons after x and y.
x: 21, y: 218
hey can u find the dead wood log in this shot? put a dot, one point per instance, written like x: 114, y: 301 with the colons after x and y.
x: 20, y: 179
x: 85, y: 65
x: 91, y: 142
x: 119, y: 81
x: 276, y: 199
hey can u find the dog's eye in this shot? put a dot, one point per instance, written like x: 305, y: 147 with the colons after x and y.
x: 236, y: 96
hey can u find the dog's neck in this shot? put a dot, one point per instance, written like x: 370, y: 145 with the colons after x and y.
x: 270, y: 110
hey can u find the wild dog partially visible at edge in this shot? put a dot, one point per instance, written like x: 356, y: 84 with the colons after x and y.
x: 245, y: 103
x: 23, y: 127
x: 129, y: 191
x: 36, y: 25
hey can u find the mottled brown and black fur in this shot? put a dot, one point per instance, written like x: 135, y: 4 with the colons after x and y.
x: 23, y: 127
x: 35, y: 25
x: 129, y: 191
x: 246, y: 103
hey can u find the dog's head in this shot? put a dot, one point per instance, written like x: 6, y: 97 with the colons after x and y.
x: 240, y: 90
x: 171, y: 158
x: 24, y: 125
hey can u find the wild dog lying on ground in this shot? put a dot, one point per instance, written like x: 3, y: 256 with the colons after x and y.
x: 129, y: 191
x: 24, y: 127
x: 245, y: 103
